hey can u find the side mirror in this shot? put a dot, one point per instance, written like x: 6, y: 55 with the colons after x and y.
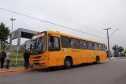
x: 30, y: 49
x: 35, y: 45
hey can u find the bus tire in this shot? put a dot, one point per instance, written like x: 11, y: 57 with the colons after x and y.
x: 68, y: 63
x: 51, y: 68
x: 97, y: 60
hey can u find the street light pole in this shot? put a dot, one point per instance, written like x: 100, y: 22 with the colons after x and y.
x: 108, y: 42
x: 11, y: 37
x: 113, y: 32
x: 11, y: 33
x: 12, y: 23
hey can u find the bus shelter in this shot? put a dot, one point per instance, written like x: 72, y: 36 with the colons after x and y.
x: 21, y: 33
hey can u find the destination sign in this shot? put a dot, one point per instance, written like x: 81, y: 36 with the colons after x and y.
x: 39, y: 35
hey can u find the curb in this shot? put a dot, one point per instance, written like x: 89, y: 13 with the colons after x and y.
x: 107, y: 60
x: 23, y: 70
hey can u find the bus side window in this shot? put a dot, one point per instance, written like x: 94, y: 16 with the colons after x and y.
x: 100, y: 47
x: 75, y: 43
x: 95, y: 46
x: 103, y: 47
x: 53, y: 43
x: 83, y: 44
x: 65, y: 42
x: 90, y: 45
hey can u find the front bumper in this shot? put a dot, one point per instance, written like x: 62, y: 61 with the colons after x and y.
x: 37, y: 63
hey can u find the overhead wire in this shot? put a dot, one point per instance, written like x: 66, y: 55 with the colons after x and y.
x: 27, y: 3
x: 50, y: 22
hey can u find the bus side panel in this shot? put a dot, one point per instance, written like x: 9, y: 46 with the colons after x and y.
x: 96, y: 53
x: 103, y: 56
x: 65, y: 52
x: 89, y: 55
x: 92, y: 55
x: 53, y: 58
x: 46, y: 58
x: 60, y: 59
x: 75, y: 53
x: 84, y: 56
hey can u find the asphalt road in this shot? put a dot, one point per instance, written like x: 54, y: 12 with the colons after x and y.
x: 111, y: 72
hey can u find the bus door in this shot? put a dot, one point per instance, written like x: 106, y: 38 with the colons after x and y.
x: 54, y: 50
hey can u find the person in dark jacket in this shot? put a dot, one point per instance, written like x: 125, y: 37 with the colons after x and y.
x: 2, y: 58
x: 26, y: 59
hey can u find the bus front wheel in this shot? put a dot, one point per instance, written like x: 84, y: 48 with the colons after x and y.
x: 68, y: 63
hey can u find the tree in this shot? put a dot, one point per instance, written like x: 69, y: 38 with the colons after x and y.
x: 114, y: 48
x: 4, y: 33
x: 121, y: 49
x: 3, y: 46
x: 125, y: 52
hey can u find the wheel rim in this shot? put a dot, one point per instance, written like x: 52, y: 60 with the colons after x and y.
x: 68, y: 63
x: 97, y: 61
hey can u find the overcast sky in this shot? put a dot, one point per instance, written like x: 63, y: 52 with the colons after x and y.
x: 90, y: 16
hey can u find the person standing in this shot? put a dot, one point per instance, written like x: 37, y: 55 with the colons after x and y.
x: 3, y: 55
x: 8, y: 56
x: 26, y: 59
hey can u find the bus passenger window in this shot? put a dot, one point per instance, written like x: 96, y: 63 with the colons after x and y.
x: 83, y: 44
x: 100, y: 47
x: 90, y: 45
x: 65, y: 42
x: 53, y: 43
x: 95, y: 46
x: 75, y: 43
x: 103, y: 47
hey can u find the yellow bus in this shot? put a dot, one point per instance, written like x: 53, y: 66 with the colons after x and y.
x: 52, y: 49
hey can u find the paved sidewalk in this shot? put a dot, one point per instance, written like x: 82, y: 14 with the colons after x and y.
x: 12, y: 68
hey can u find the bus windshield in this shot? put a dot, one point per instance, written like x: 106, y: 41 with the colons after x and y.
x: 38, y: 46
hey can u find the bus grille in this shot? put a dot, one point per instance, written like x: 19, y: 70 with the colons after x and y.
x: 37, y: 57
x: 36, y: 63
x: 36, y: 60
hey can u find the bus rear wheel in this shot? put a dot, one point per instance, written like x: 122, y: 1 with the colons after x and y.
x: 68, y: 63
x: 51, y: 68
x: 97, y: 60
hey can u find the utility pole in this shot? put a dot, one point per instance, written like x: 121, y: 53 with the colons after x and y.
x: 108, y: 42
